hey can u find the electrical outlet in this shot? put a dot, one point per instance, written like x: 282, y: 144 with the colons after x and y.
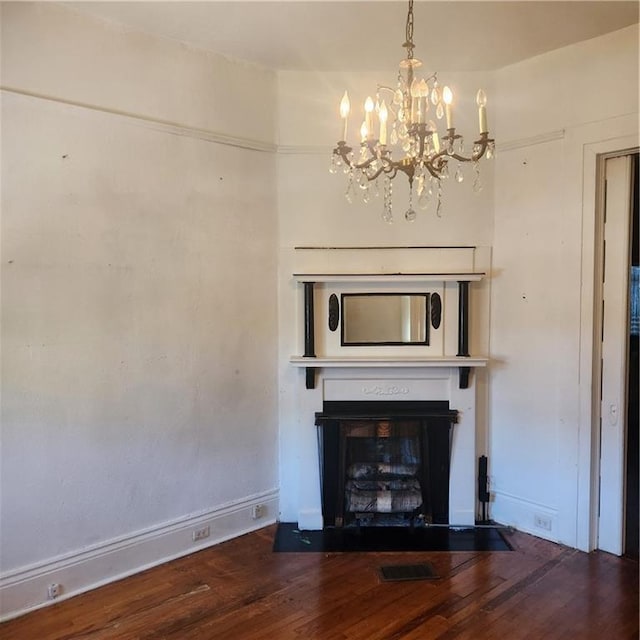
x: 201, y: 534
x: 54, y: 590
x: 257, y: 511
x: 542, y: 522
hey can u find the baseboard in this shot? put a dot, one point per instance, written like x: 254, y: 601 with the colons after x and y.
x: 525, y: 515
x: 26, y: 588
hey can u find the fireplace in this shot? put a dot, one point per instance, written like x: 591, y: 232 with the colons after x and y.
x: 385, y: 462
x: 383, y: 359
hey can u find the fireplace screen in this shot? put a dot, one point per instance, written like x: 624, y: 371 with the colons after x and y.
x: 382, y: 470
x: 385, y: 463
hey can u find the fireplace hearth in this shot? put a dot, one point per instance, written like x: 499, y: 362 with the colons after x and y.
x: 385, y: 463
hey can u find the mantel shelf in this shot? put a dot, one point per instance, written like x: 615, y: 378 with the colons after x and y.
x: 387, y: 361
x: 388, y: 277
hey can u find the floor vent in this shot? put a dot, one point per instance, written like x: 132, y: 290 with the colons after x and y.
x: 399, y: 572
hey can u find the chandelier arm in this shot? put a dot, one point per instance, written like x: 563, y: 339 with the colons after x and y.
x: 483, y: 143
x: 387, y: 166
x: 432, y: 170
x: 343, y: 150
x: 382, y: 169
x: 393, y: 172
x: 458, y: 157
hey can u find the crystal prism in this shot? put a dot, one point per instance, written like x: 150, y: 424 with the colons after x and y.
x: 349, y: 193
x: 410, y: 214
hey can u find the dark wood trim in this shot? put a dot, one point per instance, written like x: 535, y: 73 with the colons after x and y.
x: 463, y: 332
x: 309, y: 324
x: 463, y: 318
x: 309, y: 334
x: 310, y: 377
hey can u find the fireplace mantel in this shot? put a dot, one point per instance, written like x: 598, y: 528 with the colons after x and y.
x: 404, y: 356
x: 320, y: 362
x: 388, y: 277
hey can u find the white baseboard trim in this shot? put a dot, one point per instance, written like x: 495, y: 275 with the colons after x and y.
x: 25, y: 589
x: 525, y: 515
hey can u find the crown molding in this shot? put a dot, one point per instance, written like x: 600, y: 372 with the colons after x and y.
x: 541, y: 138
x: 174, y: 128
x: 157, y: 124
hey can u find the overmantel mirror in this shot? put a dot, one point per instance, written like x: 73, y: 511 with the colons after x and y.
x: 372, y: 319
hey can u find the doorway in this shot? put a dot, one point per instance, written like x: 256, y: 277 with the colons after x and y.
x: 632, y: 521
x: 617, y: 347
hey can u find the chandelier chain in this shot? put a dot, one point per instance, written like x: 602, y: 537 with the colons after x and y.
x: 409, y: 31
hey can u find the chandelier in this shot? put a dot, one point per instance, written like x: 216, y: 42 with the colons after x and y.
x: 401, y: 136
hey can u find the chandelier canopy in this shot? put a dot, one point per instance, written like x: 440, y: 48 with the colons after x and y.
x: 399, y: 134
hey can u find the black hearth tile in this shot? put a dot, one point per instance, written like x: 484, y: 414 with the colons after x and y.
x: 289, y: 538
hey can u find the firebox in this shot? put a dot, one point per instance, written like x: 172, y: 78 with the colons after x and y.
x: 385, y: 462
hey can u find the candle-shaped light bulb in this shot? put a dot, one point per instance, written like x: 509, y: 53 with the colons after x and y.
x: 368, y: 110
x: 345, y: 106
x: 447, y: 98
x: 436, y: 141
x: 383, y: 115
x: 364, y: 131
x: 423, y: 99
x: 414, y: 90
x: 481, y: 101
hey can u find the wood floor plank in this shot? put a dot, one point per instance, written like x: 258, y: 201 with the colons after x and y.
x: 241, y: 590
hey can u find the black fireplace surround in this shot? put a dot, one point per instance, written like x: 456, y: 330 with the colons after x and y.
x: 385, y: 462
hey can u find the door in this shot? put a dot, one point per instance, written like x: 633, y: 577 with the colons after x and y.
x: 614, y: 350
x: 632, y: 519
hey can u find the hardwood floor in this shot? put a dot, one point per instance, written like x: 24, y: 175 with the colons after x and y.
x: 242, y: 590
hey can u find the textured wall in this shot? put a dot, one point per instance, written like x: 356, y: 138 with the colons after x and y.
x: 540, y: 380
x: 138, y: 285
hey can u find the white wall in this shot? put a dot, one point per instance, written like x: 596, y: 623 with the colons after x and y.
x: 556, y: 105
x: 138, y: 311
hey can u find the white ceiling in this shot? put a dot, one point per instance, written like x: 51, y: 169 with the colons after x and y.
x: 367, y: 35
